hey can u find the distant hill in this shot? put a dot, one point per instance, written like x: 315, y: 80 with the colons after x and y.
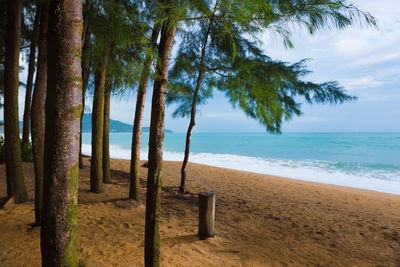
x: 115, y: 126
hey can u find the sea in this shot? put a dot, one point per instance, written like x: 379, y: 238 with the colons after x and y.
x: 360, y: 160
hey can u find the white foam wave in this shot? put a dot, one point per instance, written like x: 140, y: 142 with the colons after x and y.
x: 316, y: 171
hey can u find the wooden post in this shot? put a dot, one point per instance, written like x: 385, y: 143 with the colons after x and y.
x: 206, y: 215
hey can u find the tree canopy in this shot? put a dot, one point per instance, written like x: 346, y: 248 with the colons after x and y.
x: 222, y: 43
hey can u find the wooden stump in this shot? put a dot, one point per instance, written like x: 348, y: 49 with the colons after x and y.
x: 206, y: 215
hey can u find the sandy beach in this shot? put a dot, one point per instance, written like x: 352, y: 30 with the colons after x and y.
x: 261, y: 220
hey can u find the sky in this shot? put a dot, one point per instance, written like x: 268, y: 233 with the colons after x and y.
x: 364, y: 60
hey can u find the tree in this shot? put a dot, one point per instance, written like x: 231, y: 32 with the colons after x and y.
x: 29, y: 83
x: 38, y: 113
x: 104, y: 44
x: 137, y: 125
x: 3, y: 16
x: 15, y: 180
x: 153, y: 196
x: 115, y: 40
x: 63, y: 111
x: 86, y: 40
x: 96, y: 163
x: 211, y: 54
x: 106, y: 128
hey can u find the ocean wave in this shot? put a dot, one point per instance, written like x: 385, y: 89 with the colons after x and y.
x: 377, y: 177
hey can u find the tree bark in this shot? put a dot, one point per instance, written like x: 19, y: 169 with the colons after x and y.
x: 15, y: 179
x: 153, y: 197
x: 192, y: 122
x: 96, y: 163
x: 106, y: 130
x: 29, y: 82
x: 86, y: 37
x: 63, y: 110
x: 38, y: 115
x: 137, y: 125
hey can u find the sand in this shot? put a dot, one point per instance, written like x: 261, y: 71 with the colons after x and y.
x: 261, y: 220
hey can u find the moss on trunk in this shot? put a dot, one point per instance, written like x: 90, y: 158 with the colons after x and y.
x: 153, y: 197
x: 106, y: 130
x: 96, y: 163
x: 63, y: 109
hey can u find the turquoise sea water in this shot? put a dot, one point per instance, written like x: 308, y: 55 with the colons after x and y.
x: 362, y: 160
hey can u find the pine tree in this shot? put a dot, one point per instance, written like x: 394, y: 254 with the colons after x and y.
x: 38, y: 113
x: 137, y: 125
x: 106, y: 129
x: 171, y: 12
x: 115, y: 40
x: 96, y: 163
x: 29, y: 82
x: 15, y: 179
x: 86, y: 40
x: 3, y: 16
x: 213, y: 55
x: 63, y: 111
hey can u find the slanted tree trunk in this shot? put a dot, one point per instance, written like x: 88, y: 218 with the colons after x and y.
x: 137, y: 125
x: 153, y: 197
x: 63, y: 111
x: 15, y: 180
x: 29, y: 82
x: 96, y: 163
x: 86, y: 37
x: 192, y: 122
x: 38, y: 115
x: 189, y: 133
x: 106, y: 130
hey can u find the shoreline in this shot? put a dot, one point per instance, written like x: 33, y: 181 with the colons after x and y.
x: 395, y: 190
x: 261, y: 220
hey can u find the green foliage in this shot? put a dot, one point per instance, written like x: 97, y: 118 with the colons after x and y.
x: 270, y: 91
x: 220, y: 50
x: 27, y: 31
x: 26, y: 151
x: 120, y: 27
x: 116, y: 25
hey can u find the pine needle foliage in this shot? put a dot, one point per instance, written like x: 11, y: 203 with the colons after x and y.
x: 220, y: 46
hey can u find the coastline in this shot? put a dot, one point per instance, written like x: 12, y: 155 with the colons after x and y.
x: 261, y: 220
x: 354, y: 175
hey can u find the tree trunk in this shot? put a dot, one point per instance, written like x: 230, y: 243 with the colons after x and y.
x: 137, y: 125
x: 153, y: 197
x: 106, y: 130
x: 189, y: 133
x: 86, y: 37
x: 29, y: 82
x: 193, y: 111
x: 15, y: 179
x: 38, y: 115
x: 63, y: 110
x: 96, y: 163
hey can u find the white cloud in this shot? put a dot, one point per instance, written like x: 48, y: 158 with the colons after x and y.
x: 362, y: 82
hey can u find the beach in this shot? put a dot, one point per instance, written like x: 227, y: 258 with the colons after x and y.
x: 261, y: 220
